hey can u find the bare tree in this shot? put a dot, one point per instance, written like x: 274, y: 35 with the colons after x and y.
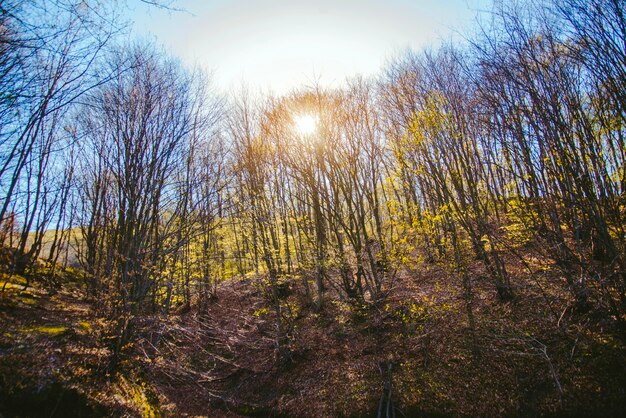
x: 142, y: 128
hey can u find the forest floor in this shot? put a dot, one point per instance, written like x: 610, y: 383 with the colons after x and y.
x: 532, y: 356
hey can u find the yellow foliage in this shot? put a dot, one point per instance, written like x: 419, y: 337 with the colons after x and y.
x: 261, y: 312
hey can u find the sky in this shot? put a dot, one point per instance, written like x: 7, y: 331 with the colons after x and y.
x: 278, y: 45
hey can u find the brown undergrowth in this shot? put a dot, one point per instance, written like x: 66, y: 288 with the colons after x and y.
x: 536, y: 355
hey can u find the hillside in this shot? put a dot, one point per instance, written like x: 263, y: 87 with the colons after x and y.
x: 443, y: 236
x: 536, y: 355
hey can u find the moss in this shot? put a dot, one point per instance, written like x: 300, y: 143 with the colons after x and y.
x: 141, y: 398
x: 25, y: 294
x: 52, y: 330
x: 9, y: 285
x: 28, y: 301
x: 85, y: 326
x: 14, y: 296
x: 12, y: 278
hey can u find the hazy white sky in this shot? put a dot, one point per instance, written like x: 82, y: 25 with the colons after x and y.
x: 281, y: 44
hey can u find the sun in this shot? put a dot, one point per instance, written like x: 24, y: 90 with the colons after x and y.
x: 305, y: 124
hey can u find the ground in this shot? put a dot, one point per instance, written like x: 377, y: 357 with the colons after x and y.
x: 535, y: 355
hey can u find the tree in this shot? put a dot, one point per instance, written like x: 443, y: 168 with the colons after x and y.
x: 142, y: 128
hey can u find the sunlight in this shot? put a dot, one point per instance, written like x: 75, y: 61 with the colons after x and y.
x: 305, y: 124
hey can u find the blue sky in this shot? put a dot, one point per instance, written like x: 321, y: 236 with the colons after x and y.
x: 277, y: 45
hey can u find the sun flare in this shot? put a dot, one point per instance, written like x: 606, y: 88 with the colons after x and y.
x: 305, y: 124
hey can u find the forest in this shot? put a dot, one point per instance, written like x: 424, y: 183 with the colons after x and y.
x: 447, y: 238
